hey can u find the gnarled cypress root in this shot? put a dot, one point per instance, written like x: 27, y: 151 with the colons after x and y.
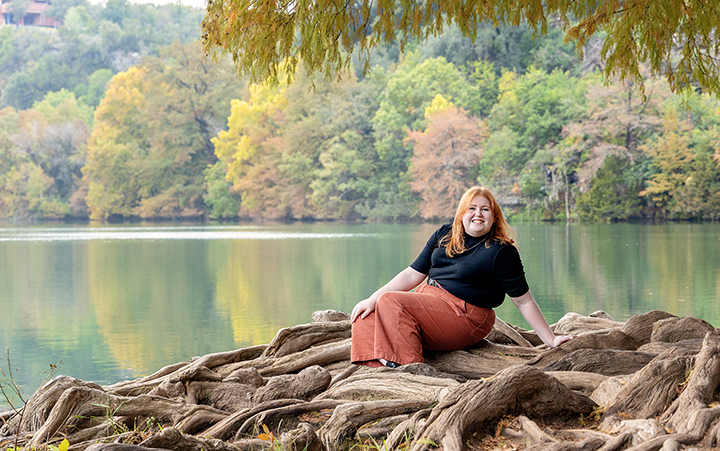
x: 520, y: 389
x: 347, y: 418
x: 653, y: 388
x: 699, y: 390
x: 291, y: 391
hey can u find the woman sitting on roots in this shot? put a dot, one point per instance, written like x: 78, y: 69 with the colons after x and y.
x: 468, y: 268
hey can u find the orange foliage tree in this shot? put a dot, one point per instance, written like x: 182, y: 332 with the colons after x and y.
x: 445, y: 159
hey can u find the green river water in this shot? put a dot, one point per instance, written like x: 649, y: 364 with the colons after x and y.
x: 120, y: 302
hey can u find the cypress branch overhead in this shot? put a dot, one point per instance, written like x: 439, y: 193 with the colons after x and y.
x: 677, y: 39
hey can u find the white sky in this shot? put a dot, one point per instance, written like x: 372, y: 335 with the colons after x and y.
x: 193, y: 3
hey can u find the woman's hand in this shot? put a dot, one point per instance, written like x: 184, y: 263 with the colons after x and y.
x: 362, y: 309
x: 560, y: 339
x: 405, y: 280
x: 532, y: 314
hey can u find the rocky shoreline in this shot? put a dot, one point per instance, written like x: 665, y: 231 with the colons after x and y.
x: 648, y: 383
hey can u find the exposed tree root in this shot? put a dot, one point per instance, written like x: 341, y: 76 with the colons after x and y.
x: 654, y: 381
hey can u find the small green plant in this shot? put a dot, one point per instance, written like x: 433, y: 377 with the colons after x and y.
x: 150, y: 422
x: 371, y: 445
x: 110, y: 418
x: 427, y: 441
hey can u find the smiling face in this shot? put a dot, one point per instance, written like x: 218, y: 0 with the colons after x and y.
x: 478, y: 219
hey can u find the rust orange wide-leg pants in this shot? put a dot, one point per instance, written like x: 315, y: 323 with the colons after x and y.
x: 403, y: 323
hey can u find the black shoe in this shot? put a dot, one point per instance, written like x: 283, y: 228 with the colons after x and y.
x: 390, y: 364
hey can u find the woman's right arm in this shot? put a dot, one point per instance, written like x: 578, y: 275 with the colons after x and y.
x: 406, y: 280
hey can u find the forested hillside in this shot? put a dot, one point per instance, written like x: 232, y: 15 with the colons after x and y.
x: 117, y: 115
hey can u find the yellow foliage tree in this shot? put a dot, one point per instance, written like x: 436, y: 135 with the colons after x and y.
x: 115, y: 138
x: 673, y: 156
x: 248, y: 127
x: 249, y: 147
x: 438, y: 105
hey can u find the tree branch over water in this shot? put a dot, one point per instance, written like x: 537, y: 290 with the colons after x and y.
x: 677, y: 39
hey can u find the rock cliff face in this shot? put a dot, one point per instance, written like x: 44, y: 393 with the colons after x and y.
x: 648, y: 383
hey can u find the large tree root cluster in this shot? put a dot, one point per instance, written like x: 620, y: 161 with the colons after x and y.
x: 650, y: 383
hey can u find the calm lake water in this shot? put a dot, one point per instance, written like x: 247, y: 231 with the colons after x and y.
x: 120, y: 302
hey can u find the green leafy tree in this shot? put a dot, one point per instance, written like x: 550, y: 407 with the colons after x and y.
x: 329, y: 153
x: 525, y: 123
x: 9, y: 124
x: 96, y: 87
x: 614, y: 194
x: 505, y: 47
x: 536, y: 106
x: 58, y: 8
x: 61, y: 106
x: 483, y: 77
x: 48, y: 74
x: 43, y: 150
x: 343, y: 176
x: 221, y: 201
x: 26, y: 193
x: 61, y: 149
x: 116, y: 11
x: 11, y: 57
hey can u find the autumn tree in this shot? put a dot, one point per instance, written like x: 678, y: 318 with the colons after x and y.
x: 445, y: 158
x: 686, y: 181
x: 152, y: 138
x: 331, y: 132
x: 262, y: 36
x: 291, y: 154
x: 115, y: 143
x: 249, y: 165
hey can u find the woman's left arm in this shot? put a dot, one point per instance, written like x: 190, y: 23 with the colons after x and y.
x: 535, y: 318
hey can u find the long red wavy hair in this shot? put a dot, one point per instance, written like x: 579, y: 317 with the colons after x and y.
x: 501, y: 231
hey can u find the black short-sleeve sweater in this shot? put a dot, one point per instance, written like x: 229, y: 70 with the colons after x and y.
x: 481, y: 275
